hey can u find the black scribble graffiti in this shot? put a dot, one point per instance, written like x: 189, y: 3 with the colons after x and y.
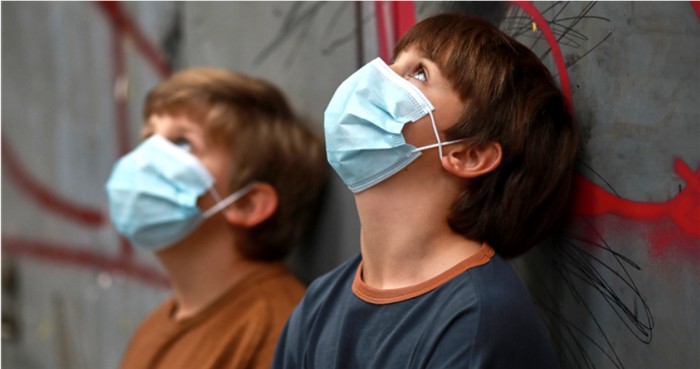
x: 581, y: 265
x: 569, y: 63
x: 590, y: 291
x: 172, y: 42
x: 339, y: 12
x: 519, y: 25
x: 492, y: 11
x: 588, y: 168
x: 297, y: 22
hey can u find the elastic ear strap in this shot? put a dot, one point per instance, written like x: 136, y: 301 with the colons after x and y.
x: 437, y: 135
x: 439, y: 144
x: 229, y: 200
x: 215, y: 194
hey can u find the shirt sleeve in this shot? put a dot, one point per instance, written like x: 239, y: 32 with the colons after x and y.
x: 288, y: 347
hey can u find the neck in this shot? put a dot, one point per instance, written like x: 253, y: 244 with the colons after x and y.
x: 405, y: 236
x: 202, y: 267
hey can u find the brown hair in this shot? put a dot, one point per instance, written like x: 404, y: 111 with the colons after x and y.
x: 509, y: 97
x: 267, y: 142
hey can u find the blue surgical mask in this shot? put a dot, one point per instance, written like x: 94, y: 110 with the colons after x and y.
x: 153, y: 194
x: 363, y: 124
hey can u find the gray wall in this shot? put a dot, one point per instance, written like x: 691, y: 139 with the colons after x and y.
x: 618, y: 289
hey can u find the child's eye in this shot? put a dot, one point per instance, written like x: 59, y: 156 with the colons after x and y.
x: 183, y: 143
x: 420, y: 75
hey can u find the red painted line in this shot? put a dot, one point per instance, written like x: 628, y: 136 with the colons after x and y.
x: 121, y: 110
x: 404, y: 17
x: 696, y: 7
x: 382, y: 38
x: 77, y: 256
x: 593, y: 200
x: 535, y: 14
x: 45, y: 198
x: 125, y: 248
x: 62, y: 254
x: 38, y: 192
x: 120, y: 97
x: 119, y: 20
x: 683, y: 209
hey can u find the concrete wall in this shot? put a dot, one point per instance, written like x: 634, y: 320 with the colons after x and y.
x: 619, y: 290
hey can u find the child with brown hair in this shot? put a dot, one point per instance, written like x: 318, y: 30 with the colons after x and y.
x: 460, y: 154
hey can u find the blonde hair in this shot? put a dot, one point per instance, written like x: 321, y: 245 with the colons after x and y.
x: 266, y: 140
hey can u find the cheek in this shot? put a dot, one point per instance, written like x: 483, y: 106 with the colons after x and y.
x: 214, y: 170
x: 449, y: 114
x: 445, y: 121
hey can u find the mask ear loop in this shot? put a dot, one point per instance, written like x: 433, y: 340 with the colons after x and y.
x: 439, y: 143
x: 229, y: 200
x: 437, y: 135
x: 215, y: 194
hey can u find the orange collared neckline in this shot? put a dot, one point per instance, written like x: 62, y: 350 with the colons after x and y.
x: 390, y: 296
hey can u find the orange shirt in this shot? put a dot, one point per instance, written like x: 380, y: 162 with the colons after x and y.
x: 238, y: 330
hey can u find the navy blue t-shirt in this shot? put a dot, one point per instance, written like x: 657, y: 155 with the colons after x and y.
x: 475, y: 315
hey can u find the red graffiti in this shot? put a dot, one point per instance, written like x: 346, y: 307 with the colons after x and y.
x: 72, y: 255
x: 593, y: 200
x: 537, y: 17
x: 402, y: 16
x: 696, y: 7
x: 683, y: 209
x: 43, y: 196
x: 121, y: 22
x: 122, y: 28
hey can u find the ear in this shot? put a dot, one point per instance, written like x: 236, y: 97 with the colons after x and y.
x: 254, y: 208
x: 465, y: 161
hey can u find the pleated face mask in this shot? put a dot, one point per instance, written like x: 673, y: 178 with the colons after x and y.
x: 153, y: 194
x: 363, y: 124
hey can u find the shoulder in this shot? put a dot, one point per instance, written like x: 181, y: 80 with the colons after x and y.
x: 142, y: 345
x: 501, y: 290
x: 326, y: 292
x: 508, y: 321
x: 157, y: 320
x: 275, y: 284
x: 485, y: 318
x: 264, y: 300
x: 488, y: 289
x: 338, y: 280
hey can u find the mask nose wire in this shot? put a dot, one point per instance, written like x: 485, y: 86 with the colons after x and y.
x: 437, y: 135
